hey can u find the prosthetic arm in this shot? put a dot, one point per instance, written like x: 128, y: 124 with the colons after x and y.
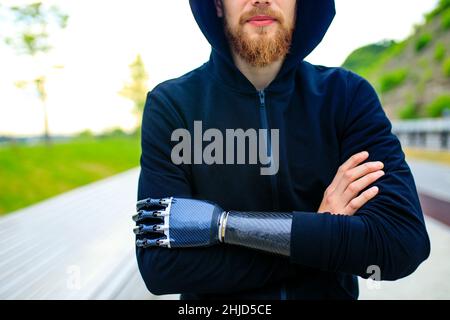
x: 181, y: 222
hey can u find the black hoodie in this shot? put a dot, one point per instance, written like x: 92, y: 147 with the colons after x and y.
x: 324, y: 115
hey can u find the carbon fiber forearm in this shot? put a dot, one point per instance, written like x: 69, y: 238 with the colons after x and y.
x: 266, y: 231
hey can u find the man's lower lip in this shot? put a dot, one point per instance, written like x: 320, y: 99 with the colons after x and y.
x: 261, y: 23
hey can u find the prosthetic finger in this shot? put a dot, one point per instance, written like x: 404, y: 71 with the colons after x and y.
x: 149, y: 228
x: 150, y: 203
x: 143, y: 215
x: 145, y: 243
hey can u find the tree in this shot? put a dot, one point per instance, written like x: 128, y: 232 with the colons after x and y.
x: 31, y: 38
x: 136, y: 89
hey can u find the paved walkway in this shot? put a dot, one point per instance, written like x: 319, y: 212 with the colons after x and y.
x: 431, y: 178
x: 431, y: 279
x: 79, y: 245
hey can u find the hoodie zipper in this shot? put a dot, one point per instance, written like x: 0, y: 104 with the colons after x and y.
x: 265, y: 125
x: 273, y: 182
x: 263, y: 117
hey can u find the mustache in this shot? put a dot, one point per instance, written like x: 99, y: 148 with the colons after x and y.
x: 261, y: 11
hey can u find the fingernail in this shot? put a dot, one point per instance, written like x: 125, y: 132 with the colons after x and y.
x: 374, y: 189
x: 380, y: 164
x: 365, y: 153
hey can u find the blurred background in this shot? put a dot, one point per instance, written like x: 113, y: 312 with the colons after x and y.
x: 73, y: 82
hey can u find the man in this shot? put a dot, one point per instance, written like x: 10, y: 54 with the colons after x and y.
x: 319, y: 198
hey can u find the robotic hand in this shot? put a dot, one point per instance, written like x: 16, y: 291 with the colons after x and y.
x: 181, y: 222
x: 177, y: 222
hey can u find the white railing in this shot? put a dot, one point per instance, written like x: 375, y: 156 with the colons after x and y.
x: 433, y: 134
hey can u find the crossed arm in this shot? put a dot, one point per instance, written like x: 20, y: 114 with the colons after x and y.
x: 352, y: 231
x: 183, y: 222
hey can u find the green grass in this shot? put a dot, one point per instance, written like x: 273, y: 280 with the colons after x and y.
x: 442, y: 6
x: 446, y: 19
x: 29, y: 174
x: 439, y: 52
x: 372, y: 70
x: 409, y: 111
x: 392, y: 79
x: 362, y: 59
x: 436, y: 108
x: 446, y: 67
x: 423, y: 41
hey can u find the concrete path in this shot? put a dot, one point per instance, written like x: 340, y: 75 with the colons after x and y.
x: 78, y: 245
x: 431, y: 178
x: 431, y: 279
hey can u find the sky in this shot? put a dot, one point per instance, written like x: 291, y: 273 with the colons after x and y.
x: 103, y: 38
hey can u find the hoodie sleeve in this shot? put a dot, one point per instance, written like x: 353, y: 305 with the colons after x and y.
x: 388, y: 233
x: 217, y: 269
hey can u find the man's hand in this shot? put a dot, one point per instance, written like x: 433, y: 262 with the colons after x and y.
x: 341, y: 196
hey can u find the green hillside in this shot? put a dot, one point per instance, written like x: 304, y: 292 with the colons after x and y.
x: 412, y: 77
x: 363, y: 59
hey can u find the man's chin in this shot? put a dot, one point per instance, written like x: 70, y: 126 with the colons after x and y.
x: 259, y: 46
x: 254, y: 33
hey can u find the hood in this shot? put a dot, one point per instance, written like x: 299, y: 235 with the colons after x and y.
x: 313, y: 19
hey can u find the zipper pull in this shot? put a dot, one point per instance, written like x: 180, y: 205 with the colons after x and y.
x: 262, y: 98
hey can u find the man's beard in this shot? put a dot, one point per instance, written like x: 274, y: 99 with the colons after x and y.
x: 263, y: 49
